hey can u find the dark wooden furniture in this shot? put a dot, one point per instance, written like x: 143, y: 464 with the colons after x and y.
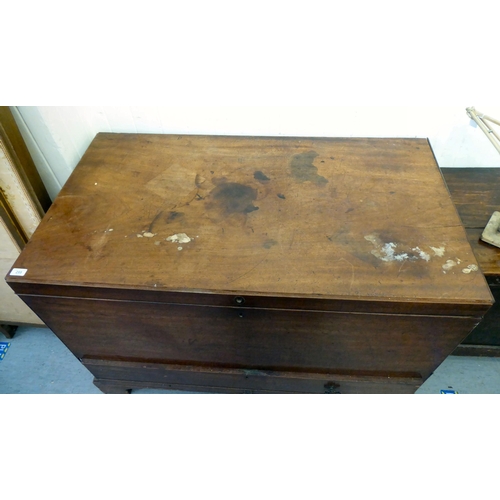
x: 476, y: 194
x: 235, y: 264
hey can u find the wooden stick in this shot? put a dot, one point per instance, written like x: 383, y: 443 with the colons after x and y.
x: 490, y: 119
x: 486, y: 118
x: 493, y: 131
x: 471, y: 112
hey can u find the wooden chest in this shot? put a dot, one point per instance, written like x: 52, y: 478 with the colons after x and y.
x: 240, y: 264
x: 476, y: 194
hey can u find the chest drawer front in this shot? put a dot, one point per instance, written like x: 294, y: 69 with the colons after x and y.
x: 253, y: 338
x: 135, y: 375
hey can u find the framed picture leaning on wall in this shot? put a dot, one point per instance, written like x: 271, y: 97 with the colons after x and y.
x: 23, y: 201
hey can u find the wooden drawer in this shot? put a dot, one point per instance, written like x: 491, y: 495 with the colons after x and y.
x: 122, y: 376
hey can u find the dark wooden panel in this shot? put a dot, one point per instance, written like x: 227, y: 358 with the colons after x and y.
x: 119, y: 376
x: 488, y: 331
x: 475, y: 192
x: 490, y: 351
x: 251, y: 300
x: 253, y: 338
x: 357, y: 219
x: 488, y: 256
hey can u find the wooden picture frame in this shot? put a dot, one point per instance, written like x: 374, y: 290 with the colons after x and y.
x: 11, y: 224
x: 16, y: 150
x: 23, y: 201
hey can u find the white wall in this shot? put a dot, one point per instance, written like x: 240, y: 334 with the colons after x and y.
x: 58, y: 136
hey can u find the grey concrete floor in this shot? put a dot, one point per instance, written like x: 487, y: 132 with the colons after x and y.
x: 37, y: 362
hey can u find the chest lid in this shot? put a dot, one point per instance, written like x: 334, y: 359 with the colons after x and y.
x: 326, y: 218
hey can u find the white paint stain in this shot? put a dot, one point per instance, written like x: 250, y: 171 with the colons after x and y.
x: 449, y: 264
x: 387, y: 251
x: 392, y: 251
x: 139, y: 235
x: 149, y: 235
x: 179, y: 238
x: 470, y: 268
x: 438, y: 251
x: 157, y: 242
x: 179, y: 248
x: 423, y: 255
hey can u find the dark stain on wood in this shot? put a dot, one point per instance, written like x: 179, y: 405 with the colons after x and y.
x: 233, y: 198
x: 260, y: 176
x: 156, y: 217
x: 303, y: 169
x: 332, y: 388
x: 269, y: 243
x: 219, y: 180
x: 282, y: 196
x: 174, y: 216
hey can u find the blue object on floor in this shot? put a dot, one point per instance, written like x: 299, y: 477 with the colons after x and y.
x: 447, y: 391
x: 4, y: 347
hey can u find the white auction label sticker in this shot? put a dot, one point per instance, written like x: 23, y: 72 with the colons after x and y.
x: 18, y: 272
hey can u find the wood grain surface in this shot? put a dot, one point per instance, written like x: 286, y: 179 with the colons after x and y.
x: 364, y: 219
x: 476, y: 194
x: 120, y: 377
x: 283, y: 340
x: 245, y: 264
